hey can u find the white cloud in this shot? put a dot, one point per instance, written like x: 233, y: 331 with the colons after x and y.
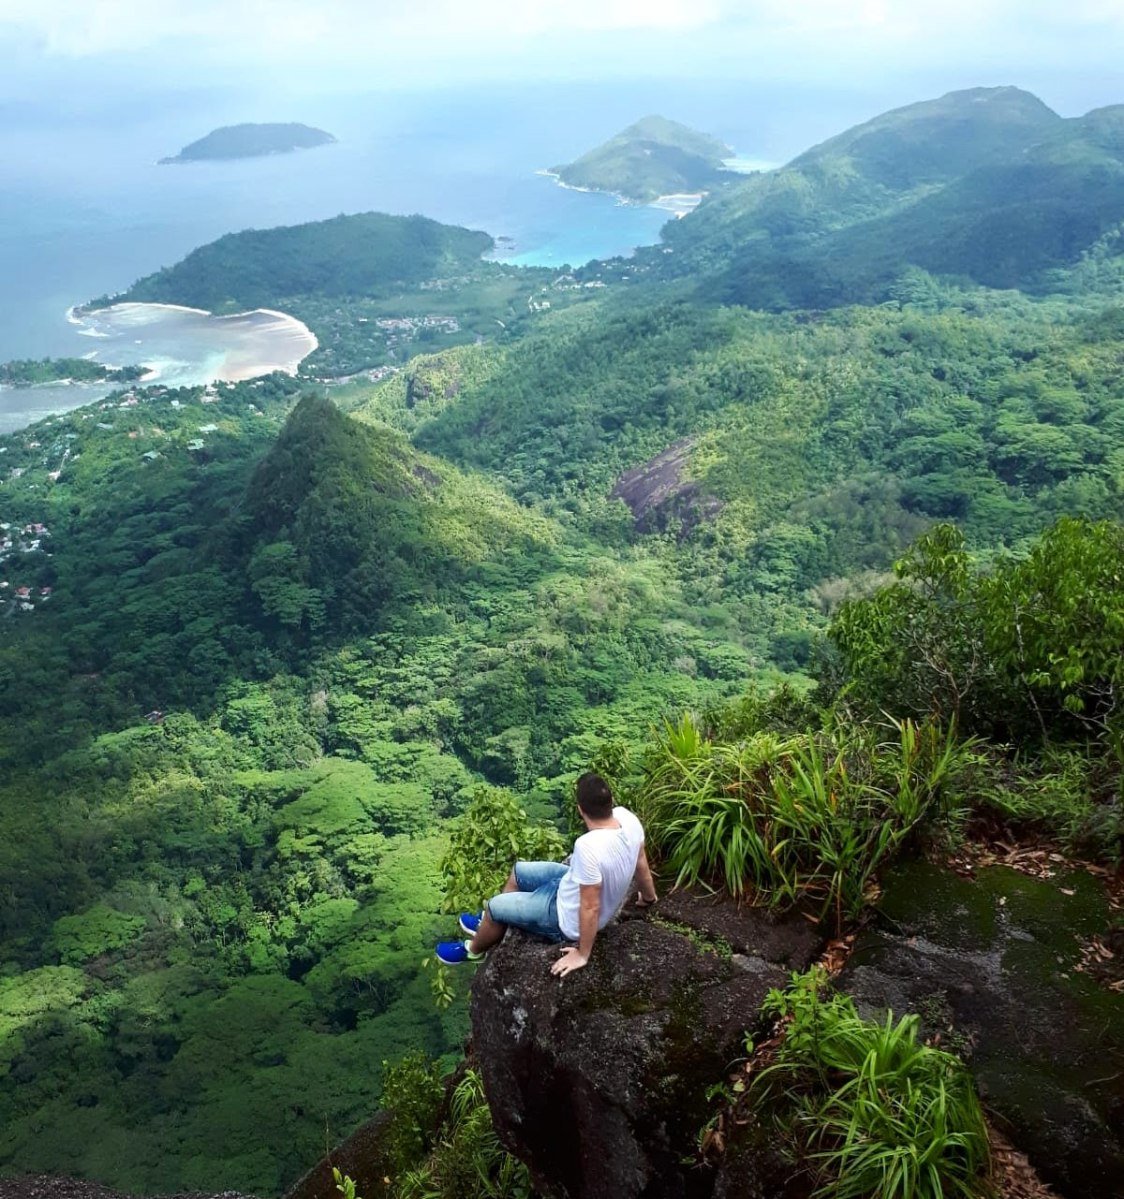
x: 434, y: 38
x: 85, y: 27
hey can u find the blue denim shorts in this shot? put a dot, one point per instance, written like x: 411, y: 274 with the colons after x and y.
x: 534, y: 907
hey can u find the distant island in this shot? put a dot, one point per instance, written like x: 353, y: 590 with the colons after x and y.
x: 366, y: 254
x: 251, y: 141
x: 27, y: 372
x: 651, y: 159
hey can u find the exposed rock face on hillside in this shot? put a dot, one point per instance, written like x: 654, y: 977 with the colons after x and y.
x: 988, y: 963
x: 658, y: 493
x: 598, y: 1081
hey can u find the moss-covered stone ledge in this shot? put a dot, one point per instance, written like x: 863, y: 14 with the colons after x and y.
x: 989, y: 964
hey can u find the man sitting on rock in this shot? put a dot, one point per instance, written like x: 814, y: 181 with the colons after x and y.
x: 566, y: 902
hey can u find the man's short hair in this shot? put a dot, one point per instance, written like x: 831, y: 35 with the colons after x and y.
x: 595, y: 796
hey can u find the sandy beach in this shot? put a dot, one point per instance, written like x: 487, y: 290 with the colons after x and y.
x: 679, y: 203
x: 185, y: 346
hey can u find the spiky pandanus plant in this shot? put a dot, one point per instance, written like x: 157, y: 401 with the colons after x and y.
x: 809, y: 817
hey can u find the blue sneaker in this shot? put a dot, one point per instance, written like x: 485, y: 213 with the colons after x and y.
x: 470, y: 923
x: 456, y: 953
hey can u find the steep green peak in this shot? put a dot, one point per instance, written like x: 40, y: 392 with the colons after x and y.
x: 320, y: 447
x: 934, y: 141
x: 654, y: 128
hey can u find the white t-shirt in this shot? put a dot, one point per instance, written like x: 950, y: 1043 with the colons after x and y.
x: 606, y: 856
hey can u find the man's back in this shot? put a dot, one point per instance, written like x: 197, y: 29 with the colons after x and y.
x: 606, y: 856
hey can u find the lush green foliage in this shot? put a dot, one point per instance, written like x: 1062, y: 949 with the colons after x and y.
x: 492, y: 834
x: 1032, y: 646
x: 467, y: 1161
x: 804, y: 818
x: 876, y: 1113
x: 413, y: 1093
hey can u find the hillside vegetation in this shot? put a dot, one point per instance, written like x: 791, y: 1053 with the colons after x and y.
x: 367, y: 254
x: 987, y: 185
x: 264, y: 656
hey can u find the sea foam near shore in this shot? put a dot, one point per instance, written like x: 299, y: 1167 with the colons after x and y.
x: 188, y: 346
x: 181, y: 347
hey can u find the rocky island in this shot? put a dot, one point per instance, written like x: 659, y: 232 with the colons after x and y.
x: 652, y: 159
x: 251, y: 141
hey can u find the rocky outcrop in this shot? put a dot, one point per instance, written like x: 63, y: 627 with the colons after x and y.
x: 361, y: 1157
x: 599, y: 1081
x: 658, y: 494
x: 990, y: 965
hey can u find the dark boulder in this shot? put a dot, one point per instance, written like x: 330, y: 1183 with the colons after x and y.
x: 989, y: 964
x: 599, y: 1081
x: 361, y: 1157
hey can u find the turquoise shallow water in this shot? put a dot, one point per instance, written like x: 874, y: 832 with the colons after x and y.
x: 180, y: 347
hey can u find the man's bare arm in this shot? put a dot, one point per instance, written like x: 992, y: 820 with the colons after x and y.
x: 644, y: 878
x: 589, y: 916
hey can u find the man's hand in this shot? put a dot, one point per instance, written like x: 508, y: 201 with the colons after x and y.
x: 572, y: 959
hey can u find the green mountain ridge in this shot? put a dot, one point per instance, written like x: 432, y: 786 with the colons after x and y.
x: 987, y: 185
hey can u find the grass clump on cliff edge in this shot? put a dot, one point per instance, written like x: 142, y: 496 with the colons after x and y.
x: 796, y: 817
x: 467, y: 1160
x: 872, y: 1111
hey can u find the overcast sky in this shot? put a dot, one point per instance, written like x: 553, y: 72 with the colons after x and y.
x: 1071, y: 52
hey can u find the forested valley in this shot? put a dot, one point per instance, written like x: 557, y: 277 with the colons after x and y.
x: 264, y: 647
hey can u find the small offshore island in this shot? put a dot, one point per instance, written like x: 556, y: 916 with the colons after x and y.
x: 251, y: 141
x: 655, y: 159
x: 30, y: 372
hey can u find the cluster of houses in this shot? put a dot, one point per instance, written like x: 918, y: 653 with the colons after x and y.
x: 22, y: 539
x: 444, y: 284
x: 569, y: 283
x: 402, y: 329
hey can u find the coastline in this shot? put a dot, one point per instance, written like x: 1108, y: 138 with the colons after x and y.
x: 677, y: 203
